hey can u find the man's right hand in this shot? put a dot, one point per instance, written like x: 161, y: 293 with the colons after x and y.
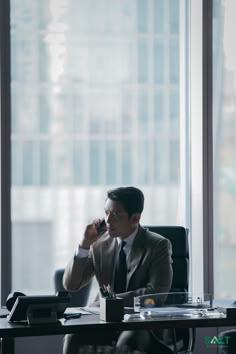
x: 90, y: 234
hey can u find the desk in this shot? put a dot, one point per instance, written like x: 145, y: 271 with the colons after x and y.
x: 90, y: 323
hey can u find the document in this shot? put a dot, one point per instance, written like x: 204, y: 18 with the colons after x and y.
x: 82, y: 310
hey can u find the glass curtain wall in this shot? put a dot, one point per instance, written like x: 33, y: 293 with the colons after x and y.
x: 224, y: 132
x: 99, y: 92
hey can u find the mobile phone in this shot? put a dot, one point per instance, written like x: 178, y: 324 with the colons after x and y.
x: 101, y: 226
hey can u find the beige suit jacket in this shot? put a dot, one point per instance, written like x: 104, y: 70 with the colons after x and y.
x: 149, y: 265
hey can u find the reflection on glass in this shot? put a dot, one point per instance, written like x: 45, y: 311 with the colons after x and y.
x: 174, y: 305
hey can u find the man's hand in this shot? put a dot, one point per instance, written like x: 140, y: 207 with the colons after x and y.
x: 90, y: 234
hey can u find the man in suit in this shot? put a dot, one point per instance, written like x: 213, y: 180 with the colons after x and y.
x: 131, y: 259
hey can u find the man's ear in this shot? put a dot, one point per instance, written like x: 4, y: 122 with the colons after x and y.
x: 136, y: 217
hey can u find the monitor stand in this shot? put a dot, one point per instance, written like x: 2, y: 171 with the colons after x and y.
x: 41, y: 313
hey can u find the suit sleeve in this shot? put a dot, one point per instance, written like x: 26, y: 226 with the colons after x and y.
x: 77, y: 273
x: 159, y: 272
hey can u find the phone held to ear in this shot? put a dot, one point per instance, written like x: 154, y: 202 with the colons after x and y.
x: 101, y: 227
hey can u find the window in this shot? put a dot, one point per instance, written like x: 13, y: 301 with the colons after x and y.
x: 35, y: 235
x: 224, y: 147
x: 98, y: 102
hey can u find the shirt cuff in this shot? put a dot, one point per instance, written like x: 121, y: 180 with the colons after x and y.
x: 81, y: 252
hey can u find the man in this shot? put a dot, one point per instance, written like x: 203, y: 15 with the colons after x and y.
x: 131, y: 259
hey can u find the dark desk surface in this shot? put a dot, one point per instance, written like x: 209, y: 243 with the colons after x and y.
x: 89, y: 323
x: 92, y: 322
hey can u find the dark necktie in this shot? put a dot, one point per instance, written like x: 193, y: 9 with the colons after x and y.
x: 121, y: 271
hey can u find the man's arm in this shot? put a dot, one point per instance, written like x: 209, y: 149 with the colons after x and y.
x: 80, y: 269
x: 77, y: 273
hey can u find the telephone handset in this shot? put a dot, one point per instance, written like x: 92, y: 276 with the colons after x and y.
x: 102, y: 226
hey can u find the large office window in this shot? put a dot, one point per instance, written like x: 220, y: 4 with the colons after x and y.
x: 99, y: 91
x: 224, y: 131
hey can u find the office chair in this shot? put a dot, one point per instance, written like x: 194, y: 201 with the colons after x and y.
x: 78, y: 298
x: 178, y: 236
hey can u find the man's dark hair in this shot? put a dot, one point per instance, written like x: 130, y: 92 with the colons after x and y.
x: 131, y: 198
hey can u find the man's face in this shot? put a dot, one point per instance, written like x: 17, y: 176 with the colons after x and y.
x: 118, y: 222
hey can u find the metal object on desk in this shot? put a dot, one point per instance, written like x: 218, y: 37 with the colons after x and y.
x: 177, y: 299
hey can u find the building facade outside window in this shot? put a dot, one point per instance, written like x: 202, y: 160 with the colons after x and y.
x: 99, y: 91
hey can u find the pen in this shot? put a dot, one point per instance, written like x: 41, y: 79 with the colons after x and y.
x: 103, y: 292
x: 111, y: 292
x: 107, y: 292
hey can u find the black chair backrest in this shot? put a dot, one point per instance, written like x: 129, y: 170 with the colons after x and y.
x: 78, y: 298
x: 178, y: 236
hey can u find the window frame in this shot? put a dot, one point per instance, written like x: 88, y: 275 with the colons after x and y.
x: 207, y: 98
x: 5, y: 104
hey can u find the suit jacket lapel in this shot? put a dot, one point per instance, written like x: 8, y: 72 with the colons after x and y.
x: 136, y: 254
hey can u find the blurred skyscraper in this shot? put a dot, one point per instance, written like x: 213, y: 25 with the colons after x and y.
x: 98, y: 93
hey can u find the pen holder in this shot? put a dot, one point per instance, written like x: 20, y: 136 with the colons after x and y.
x: 111, y: 310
